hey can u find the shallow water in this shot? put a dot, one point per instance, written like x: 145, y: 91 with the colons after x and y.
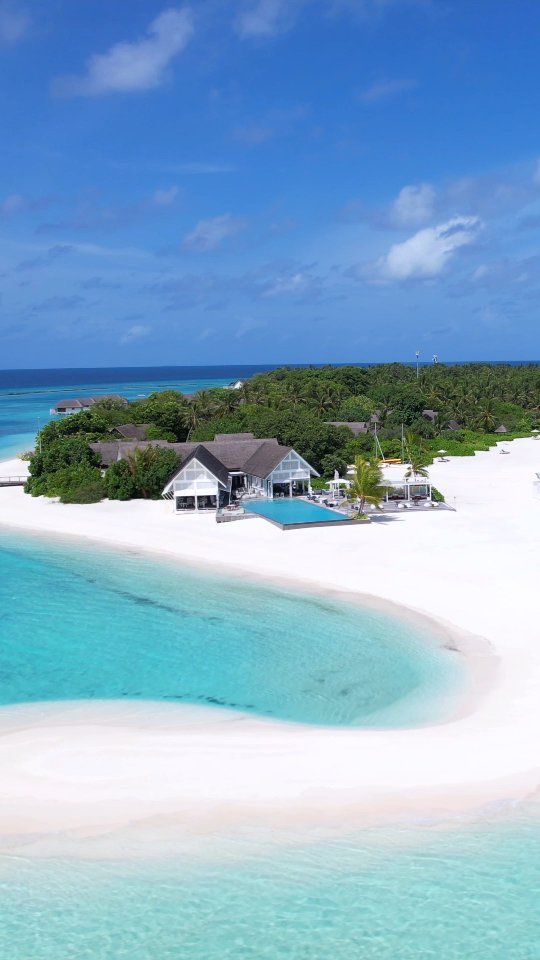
x: 90, y: 624
x: 470, y: 893
x: 27, y: 397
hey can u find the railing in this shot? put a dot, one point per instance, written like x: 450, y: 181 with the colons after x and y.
x: 13, y: 481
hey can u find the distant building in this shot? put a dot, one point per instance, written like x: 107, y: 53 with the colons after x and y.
x: 402, y: 489
x: 132, y: 431
x: 357, y: 427
x: 79, y: 404
x: 501, y: 429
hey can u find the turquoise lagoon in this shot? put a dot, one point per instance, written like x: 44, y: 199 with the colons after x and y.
x: 80, y: 624
x: 83, y: 624
x: 419, y: 894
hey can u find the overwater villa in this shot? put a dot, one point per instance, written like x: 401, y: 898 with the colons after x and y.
x: 217, y: 473
x: 78, y: 404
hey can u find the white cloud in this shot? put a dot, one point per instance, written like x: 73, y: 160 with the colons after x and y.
x: 164, y: 198
x: 249, y: 325
x: 385, y: 90
x: 294, y: 284
x: 206, y: 333
x: 209, y: 234
x: 414, y: 205
x: 426, y: 253
x: 136, y: 332
x: 266, y: 18
x: 140, y: 65
x: 14, y: 22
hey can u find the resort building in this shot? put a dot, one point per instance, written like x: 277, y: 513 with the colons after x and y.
x: 356, y: 427
x: 402, y: 489
x: 225, y: 470
x: 79, y: 404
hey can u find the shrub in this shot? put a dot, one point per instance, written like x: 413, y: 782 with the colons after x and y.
x: 356, y: 409
x: 120, y: 482
x: 143, y: 474
x: 78, y: 483
x: 331, y: 463
x: 436, y: 495
x: 159, y: 433
x: 91, y: 492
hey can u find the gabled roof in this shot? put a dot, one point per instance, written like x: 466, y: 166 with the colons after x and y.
x: 132, y: 431
x: 501, y: 429
x: 76, y: 402
x: 82, y: 403
x: 236, y: 454
x: 206, y: 459
x: 220, y: 437
x: 111, y: 451
x: 106, y: 452
x: 266, y: 459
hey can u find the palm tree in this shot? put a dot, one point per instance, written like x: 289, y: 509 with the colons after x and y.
x: 190, y: 417
x: 417, y: 466
x: 486, y: 418
x: 225, y: 402
x: 367, y: 486
x: 140, y: 463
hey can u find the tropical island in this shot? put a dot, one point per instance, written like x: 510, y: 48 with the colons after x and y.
x: 334, y: 416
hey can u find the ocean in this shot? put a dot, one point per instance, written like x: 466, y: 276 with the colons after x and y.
x: 27, y: 396
x: 415, y: 893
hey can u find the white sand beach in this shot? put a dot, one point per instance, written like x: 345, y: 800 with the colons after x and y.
x: 86, y: 770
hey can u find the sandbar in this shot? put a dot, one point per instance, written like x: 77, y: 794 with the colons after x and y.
x: 132, y: 777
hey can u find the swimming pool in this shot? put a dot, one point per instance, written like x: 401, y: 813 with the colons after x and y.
x: 295, y: 513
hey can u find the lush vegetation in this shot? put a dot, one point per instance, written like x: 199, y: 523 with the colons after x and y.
x: 296, y: 405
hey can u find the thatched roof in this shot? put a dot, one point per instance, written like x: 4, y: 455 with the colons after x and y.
x: 83, y: 403
x: 357, y: 427
x: 132, y: 431
x: 208, y: 460
x: 255, y: 457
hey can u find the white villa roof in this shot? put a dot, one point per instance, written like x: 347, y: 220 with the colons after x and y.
x: 395, y: 473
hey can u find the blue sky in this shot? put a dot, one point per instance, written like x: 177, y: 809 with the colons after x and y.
x: 268, y: 180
